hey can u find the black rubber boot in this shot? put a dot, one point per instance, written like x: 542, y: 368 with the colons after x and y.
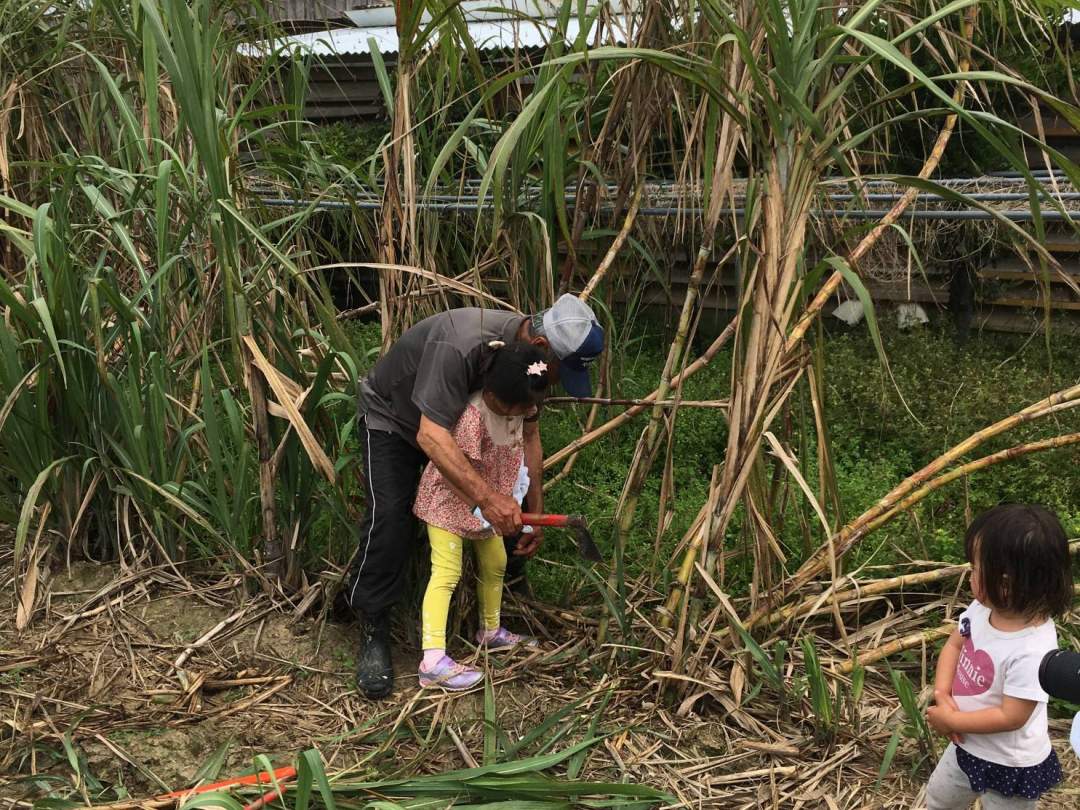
x: 374, y: 668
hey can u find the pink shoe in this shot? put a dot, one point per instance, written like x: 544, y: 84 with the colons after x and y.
x: 504, y: 640
x: 448, y: 674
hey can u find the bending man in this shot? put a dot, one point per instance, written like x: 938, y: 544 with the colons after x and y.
x: 408, y: 405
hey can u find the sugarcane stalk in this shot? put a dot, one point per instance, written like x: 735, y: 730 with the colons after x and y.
x: 647, y: 403
x: 757, y: 373
x: 851, y: 534
x: 898, y: 645
x: 809, y: 604
x: 875, y: 587
x: 397, y: 232
x: 759, y: 349
x: 901, y: 205
x: 594, y: 411
x: 648, y: 443
x: 616, y: 246
x: 865, y: 589
x: 260, y: 420
x: 973, y: 466
x: 613, y: 424
x: 686, y: 569
x: 646, y: 448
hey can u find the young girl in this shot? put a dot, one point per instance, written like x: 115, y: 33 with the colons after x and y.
x: 489, y: 433
x: 989, y: 702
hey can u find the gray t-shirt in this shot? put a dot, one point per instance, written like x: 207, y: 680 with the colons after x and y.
x: 432, y: 369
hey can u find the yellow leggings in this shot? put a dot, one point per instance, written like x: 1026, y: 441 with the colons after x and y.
x: 445, y: 574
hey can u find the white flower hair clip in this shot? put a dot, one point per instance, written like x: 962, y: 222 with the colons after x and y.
x: 537, y: 368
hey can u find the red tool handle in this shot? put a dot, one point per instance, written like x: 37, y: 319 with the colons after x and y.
x: 534, y: 519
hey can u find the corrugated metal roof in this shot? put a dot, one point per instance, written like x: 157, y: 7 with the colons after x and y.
x: 487, y: 34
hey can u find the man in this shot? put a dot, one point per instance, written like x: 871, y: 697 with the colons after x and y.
x: 408, y: 405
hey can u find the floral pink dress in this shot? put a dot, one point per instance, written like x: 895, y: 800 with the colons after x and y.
x: 496, y: 449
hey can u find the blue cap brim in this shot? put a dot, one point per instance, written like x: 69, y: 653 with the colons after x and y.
x: 575, y: 381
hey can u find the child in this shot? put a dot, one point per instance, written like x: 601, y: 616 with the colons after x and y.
x: 489, y: 433
x: 989, y: 702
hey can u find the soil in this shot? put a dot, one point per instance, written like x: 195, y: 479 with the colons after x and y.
x: 93, y: 705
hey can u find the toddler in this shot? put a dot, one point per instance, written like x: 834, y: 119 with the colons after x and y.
x: 489, y: 433
x: 989, y: 701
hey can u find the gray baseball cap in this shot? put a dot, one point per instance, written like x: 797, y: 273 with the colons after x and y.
x: 575, y: 337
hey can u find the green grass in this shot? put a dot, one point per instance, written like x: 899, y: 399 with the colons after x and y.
x: 951, y: 390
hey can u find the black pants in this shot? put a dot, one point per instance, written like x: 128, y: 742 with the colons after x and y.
x: 388, y: 530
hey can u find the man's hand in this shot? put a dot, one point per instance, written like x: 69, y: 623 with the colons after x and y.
x: 502, y: 512
x: 529, y: 542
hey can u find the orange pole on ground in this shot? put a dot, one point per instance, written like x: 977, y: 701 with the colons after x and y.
x: 237, y: 781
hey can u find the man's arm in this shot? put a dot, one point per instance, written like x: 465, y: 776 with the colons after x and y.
x: 534, y: 499
x: 501, y: 511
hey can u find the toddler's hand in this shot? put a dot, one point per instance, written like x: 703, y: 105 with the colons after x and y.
x: 939, y: 718
x: 948, y: 701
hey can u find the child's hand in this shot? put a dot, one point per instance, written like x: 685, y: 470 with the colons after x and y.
x: 948, y: 701
x: 940, y: 719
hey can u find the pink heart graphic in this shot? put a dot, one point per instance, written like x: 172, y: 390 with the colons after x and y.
x: 974, y: 671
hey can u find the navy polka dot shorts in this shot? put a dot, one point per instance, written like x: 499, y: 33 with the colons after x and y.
x: 1026, y: 783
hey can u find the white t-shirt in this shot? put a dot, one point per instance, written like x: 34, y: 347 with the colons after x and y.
x: 994, y: 664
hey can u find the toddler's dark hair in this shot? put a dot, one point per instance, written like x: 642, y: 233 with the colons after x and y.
x: 1023, y: 558
x: 508, y: 378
